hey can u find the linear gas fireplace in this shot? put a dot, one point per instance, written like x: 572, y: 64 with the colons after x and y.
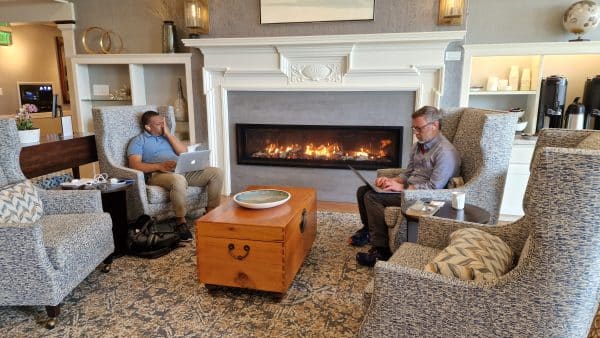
x: 363, y: 147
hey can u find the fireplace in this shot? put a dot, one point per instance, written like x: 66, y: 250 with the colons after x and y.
x: 319, y: 146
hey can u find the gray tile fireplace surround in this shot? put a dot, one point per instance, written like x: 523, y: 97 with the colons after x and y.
x: 316, y: 108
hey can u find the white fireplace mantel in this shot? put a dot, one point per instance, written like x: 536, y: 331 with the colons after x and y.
x: 356, y: 62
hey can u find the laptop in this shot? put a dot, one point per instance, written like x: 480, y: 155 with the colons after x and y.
x: 192, y: 161
x: 367, y: 182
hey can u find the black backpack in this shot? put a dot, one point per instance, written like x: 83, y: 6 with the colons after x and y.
x: 144, y: 240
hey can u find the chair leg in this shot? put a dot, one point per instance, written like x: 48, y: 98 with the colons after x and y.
x: 107, y: 263
x: 53, y: 312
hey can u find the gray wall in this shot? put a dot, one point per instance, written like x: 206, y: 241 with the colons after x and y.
x: 315, y: 108
x: 493, y: 21
x: 31, y: 58
x: 141, y: 31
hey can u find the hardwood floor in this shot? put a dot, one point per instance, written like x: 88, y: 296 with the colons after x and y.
x: 323, y: 205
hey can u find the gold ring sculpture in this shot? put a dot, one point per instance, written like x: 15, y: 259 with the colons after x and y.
x: 105, y: 41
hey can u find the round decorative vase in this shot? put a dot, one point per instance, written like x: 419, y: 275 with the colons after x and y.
x: 581, y: 17
x: 29, y: 136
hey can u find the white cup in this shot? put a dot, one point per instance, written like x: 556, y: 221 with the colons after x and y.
x: 458, y: 200
x: 492, y: 84
x: 502, y: 84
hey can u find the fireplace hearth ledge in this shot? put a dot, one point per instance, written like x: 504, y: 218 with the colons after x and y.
x: 354, y: 62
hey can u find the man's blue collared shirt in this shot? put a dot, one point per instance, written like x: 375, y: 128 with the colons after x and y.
x: 153, y: 149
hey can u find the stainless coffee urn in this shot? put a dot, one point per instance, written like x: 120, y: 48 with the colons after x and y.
x: 553, y: 92
x: 575, y: 115
x: 591, y: 101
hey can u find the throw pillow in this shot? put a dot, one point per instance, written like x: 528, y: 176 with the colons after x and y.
x: 473, y: 255
x: 20, y: 203
x: 592, y: 141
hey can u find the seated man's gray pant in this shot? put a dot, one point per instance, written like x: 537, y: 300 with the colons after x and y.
x: 371, y: 206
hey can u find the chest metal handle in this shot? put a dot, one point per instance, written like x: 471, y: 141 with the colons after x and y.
x: 303, y: 220
x: 231, y: 247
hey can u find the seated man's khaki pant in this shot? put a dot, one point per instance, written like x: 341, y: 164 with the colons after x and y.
x: 177, y: 185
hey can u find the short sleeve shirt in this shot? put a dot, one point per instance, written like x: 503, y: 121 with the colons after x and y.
x: 153, y: 149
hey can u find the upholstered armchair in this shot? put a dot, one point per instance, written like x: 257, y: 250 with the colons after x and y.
x: 553, y: 289
x: 484, y: 141
x: 114, y: 128
x: 50, y: 241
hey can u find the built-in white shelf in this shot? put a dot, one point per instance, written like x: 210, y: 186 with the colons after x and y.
x: 507, y: 92
x: 152, y: 79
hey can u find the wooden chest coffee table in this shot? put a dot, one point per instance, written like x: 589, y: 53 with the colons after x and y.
x: 259, y: 249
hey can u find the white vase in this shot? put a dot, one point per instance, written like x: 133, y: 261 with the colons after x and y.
x: 513, y: 77
x: 29, y: 136
x: 525, y: 79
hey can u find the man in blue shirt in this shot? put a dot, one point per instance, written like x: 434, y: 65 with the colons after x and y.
x: 155, y: 152
x: 433, y: 162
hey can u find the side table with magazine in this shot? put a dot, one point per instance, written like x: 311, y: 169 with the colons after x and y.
x: 416, y: 209
x: 114, y: 202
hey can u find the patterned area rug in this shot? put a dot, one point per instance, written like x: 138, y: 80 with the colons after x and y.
x: 162, y: 298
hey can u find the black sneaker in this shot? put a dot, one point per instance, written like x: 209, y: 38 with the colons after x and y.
x: 360, y: 238
x: 371, y: 257
x: 184, y: 232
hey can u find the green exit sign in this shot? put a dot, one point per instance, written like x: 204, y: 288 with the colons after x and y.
x: 5, y: 38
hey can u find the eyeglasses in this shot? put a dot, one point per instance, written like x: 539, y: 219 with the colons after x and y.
x: 420, y: 129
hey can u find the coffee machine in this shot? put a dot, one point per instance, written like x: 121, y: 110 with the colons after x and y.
x: 553, y: 92
x: 591, y: 101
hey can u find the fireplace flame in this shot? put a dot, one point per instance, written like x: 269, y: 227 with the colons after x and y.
x: 327, y: 151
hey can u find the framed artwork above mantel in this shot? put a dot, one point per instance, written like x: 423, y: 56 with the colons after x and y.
x: 288, y: 11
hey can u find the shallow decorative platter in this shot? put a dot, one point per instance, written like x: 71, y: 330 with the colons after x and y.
x: 261, y: 198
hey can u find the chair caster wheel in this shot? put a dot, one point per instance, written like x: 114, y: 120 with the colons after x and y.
x: 106, y: 268
x: 51, y: 323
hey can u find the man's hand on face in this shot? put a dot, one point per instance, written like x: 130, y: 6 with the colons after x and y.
x: 165, y: 129
x: 168, y: 166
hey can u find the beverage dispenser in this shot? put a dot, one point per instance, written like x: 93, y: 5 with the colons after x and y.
x: 553, y: 92
x: 591, y: 101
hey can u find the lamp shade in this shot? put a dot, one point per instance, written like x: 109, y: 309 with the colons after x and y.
x: 451, y: 12
x: 196, y: 15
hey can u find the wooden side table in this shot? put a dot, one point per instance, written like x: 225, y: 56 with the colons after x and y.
x: 471, y: 213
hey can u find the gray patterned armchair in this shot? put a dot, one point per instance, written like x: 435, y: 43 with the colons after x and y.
x: 554, y: 289
x: 484, y: 141
x: 42, y: 259
x: 114, y: 127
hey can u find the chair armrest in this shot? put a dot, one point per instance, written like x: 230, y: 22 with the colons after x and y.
x: 392, y: 216
x: 390, y: 172
x: 70, y: 201
x: 435, y: 232
x: 412, y: 195
x: 22, y: 249
x: 405, y: 298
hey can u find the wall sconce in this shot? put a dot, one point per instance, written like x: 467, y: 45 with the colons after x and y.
x: 196, y: 17
x: 451, y: 12
x: 5, y: 34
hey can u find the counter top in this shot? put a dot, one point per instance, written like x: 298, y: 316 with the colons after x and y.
x: 524, y: 140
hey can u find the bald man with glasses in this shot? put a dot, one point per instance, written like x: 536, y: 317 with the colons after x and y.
x: 433, y: 162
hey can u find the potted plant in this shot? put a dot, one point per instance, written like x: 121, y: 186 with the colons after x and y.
x: 27, y: 132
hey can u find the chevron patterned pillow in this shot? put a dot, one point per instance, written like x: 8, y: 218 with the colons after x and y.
x: 473, y: 255
x: 20, y: 203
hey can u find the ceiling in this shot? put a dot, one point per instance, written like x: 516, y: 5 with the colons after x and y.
x: 32, y: 1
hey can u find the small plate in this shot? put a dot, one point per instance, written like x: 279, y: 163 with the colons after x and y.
x: 261, y: 198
